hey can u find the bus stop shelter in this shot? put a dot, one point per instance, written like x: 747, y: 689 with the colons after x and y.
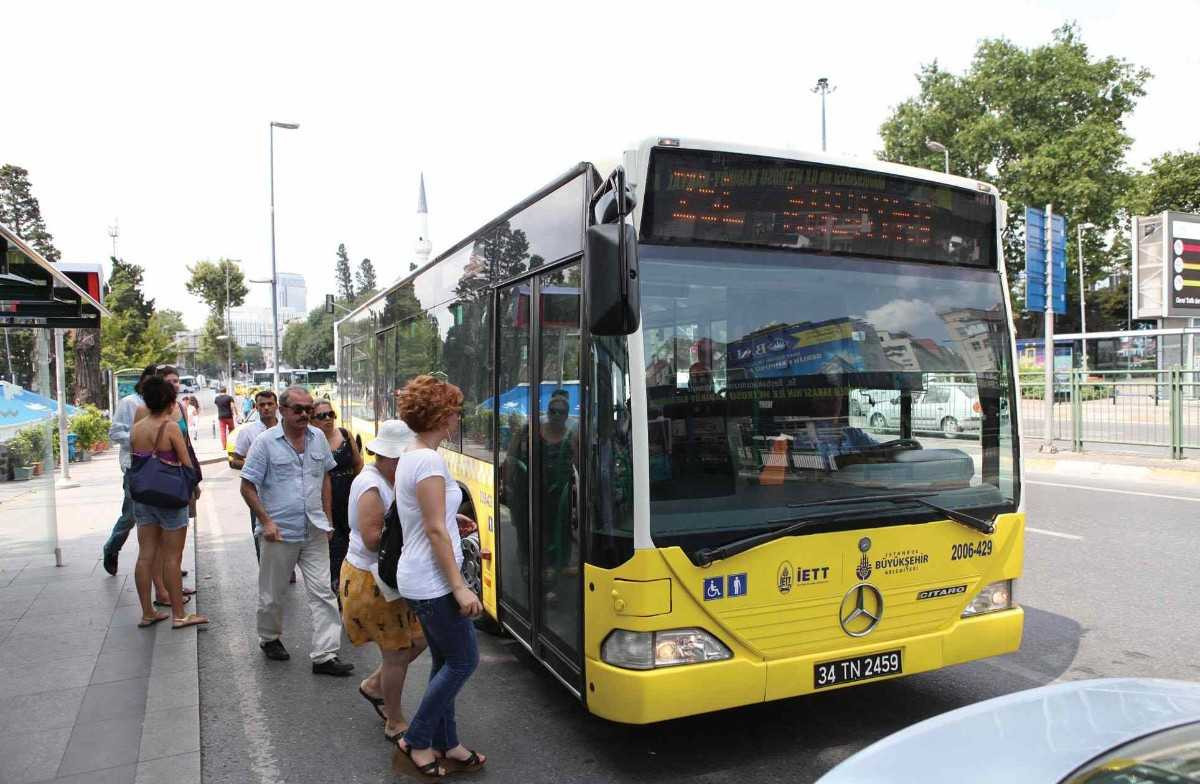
x: 34, y: 294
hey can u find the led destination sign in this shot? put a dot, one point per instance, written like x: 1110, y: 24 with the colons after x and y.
x: 714, y: 197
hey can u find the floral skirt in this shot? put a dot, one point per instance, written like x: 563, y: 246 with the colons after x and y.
x: 368, y: 617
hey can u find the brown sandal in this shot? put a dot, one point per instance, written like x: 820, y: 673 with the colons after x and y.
x: 430, y: 771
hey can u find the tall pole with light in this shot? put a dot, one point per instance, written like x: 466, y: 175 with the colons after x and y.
x: 1082, y: 309
x: 943, y: 149
x: 823, y: 88
x: 274, y: 277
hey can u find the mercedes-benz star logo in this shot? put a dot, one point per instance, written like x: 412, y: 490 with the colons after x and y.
x: 861, y: 610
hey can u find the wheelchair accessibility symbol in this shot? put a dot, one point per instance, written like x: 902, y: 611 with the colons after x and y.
x: 714, y: 588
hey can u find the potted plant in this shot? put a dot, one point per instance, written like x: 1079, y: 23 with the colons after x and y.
x: 20, y: 453
x: 91, y: 430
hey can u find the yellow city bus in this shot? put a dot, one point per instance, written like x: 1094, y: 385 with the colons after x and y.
x: 736, y: 423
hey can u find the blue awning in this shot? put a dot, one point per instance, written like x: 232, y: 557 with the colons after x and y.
x: 516, y: 400
x: 20, y: 407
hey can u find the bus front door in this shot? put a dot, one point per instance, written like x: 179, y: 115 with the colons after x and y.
x: 537, y: 460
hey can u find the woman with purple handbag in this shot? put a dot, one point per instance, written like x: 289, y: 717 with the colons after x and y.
x: 161, y: 482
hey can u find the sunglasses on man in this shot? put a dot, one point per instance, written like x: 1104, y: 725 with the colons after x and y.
x: 299, y: 409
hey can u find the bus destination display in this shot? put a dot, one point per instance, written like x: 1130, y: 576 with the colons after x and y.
x: 715, y: 197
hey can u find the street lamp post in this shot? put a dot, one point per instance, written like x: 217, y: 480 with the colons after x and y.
x: 943, y: 149
x: 274, y: 278
x: 824, y: 88
x: 1082, y: 310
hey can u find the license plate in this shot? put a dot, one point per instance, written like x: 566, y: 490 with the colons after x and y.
x: 856, y: 668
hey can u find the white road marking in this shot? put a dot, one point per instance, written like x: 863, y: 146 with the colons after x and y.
x: 1033, y: 530
x: 1120, y: 492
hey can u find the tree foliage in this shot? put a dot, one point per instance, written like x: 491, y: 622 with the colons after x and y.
x: 20, y: 211
x: 134, y: 336
x: 345, y: 280
x: 365, y: 278
x: 309, y: 343
x: 1046, y: 125
x: 1172, y: 182
x: 217, y: 283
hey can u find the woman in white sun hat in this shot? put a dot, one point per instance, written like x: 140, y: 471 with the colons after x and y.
x: 370, y: 611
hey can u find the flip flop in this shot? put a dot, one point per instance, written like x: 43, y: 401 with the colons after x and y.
x: 376, y: 703
x: 191, y: 619
x: 187, y: 598
x: 188, y: 591
x: 146, y: 622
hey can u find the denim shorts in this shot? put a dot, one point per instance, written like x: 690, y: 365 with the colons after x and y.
x: 164, y: 518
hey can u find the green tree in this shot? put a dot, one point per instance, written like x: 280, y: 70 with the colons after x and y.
x: 133, y: 336
x: 217, y: 283
x: 20, y: 211
x: 1172, y: 182
x: 214, y: 354
x: 171, y: 320
x: 345, y: 281
x: 365, y: 278
x: 1046, y: 125
x: 309, y: 343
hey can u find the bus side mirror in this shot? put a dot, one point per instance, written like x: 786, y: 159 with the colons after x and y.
x: 611, y: 264
x: 614, y: 294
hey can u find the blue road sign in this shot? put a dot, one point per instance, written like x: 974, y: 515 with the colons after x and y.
x: 736, y: 585
x: 1035, y: 260
x: 714, y: 588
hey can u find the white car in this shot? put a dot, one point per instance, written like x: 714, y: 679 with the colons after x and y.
x: 1105, y: 731
x: 949, y: 408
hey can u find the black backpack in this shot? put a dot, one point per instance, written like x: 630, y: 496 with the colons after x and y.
x: 390, y: 545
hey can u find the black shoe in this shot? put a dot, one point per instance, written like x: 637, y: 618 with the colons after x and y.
x: 110, y: 563
x: 275, y: 650
x: 334, y: 666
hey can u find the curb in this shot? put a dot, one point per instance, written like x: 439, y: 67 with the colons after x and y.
x: 1129, y: 472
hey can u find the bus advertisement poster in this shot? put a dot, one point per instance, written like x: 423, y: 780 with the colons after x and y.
x: 805, y: 349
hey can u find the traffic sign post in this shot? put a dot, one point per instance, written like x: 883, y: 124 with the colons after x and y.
x: 1046, y: 289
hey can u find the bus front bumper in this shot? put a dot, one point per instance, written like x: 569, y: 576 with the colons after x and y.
x: 647, y: 696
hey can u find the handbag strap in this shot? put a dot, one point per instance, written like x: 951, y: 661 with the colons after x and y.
x: 158, y: 436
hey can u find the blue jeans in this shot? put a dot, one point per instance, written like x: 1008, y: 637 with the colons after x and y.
x: 125, y: 522
x: 454, y: 653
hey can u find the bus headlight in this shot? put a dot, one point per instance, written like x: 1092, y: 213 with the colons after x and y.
x: 994, y: 596
x: 647, y: 650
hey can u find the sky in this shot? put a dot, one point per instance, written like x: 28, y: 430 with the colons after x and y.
x: 154, y: 116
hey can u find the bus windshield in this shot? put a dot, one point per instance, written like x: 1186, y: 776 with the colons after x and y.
x: 781, y: 378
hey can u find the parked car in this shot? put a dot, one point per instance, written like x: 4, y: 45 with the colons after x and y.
x: 1081, y: 732
x: 949, y: 408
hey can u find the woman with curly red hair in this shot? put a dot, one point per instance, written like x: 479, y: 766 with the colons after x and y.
x: 429, y: 575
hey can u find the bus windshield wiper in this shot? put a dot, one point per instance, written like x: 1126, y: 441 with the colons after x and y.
x: 706, y: 555
x: 979, y: 524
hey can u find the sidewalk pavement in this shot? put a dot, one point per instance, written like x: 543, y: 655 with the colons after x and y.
x: 85, y: 695
x: 1122, y: 466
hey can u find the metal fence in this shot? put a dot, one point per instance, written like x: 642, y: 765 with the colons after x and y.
x: 1140, y: 407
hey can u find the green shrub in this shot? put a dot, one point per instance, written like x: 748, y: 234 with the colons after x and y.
x: 90, y: 426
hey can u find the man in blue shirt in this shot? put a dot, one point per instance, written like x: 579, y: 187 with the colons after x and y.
x: 285, y: 482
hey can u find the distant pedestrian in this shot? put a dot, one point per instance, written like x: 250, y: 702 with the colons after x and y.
x: 286, y: 484
x: 192, y: 406
x: 162, y: 531
x: 349, y: 463
x: 267, y: 407
x: 249, y: 401
x: 429, y: 574
x: 371, y: 611
x: 224, y: 405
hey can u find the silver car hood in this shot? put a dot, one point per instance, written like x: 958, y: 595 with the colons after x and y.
x: 1035, y: 736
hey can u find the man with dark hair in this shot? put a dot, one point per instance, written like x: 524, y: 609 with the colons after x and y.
x: 224, y: 405
x: 285, y: 482
x: 118, y: 433
x: 264, y: 403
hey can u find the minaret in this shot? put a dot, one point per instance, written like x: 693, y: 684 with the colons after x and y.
x: 423, y: 247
